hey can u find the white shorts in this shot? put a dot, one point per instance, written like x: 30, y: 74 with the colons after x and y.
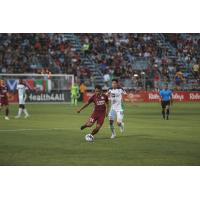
x: 22, y: 100
x: 113, y: 114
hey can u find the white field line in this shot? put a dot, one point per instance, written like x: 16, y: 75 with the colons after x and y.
x: 40, y: 129
x: 48, y: 103
x: 33, y: 129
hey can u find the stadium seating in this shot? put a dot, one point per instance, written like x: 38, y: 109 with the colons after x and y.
x: 141, y: 61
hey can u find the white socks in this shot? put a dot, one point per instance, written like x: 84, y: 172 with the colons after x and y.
x: 25, y: 112
x: 22, y: 110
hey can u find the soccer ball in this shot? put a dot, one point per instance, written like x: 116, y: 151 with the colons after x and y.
x: 89, y: 138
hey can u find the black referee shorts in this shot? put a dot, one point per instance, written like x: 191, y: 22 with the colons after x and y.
x: 165, y: 103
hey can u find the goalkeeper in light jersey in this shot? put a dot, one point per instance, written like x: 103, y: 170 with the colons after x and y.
x: 21, y: 87
x: 74, y: 94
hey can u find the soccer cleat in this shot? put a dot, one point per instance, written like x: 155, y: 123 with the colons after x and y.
x: 26, y: 116
x: 113, y: 136
x: 82, y: 127
x: 17, y: 117
x: 122, y: 127
x: 7, y: 118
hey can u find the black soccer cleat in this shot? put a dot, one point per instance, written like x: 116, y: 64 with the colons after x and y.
x: 167, y: 118
x: 82, y: 127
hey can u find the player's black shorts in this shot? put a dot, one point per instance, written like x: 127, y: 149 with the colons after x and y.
x: 165, y: 103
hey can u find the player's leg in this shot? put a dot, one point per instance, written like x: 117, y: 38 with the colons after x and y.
x: 100, y: 121
x: 111, y: 122
x: 96, y: 129
x: 167, y: 110
x: 2, y: 108
x: 120, y: 123
x: 6, y: 112
x: 25, y: 111
x: 89, y: 123
x: 19, y: 111
x: 163, y: 108
x: 75, y: 100
x: 72, y: 99
x: 24, y: 108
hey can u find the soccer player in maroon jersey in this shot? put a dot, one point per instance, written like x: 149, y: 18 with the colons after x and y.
x: 100, y: 111
x: 4, y: 98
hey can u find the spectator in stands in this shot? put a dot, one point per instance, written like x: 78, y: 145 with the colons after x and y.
x: 195, y: 70
x: 178, y: 79
x: 119, y: 55
x: 107, y: 79
x: 83, y: 90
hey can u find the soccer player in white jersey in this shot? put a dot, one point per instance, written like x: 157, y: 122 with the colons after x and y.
x: 21, y: 87
x: 115, y: 95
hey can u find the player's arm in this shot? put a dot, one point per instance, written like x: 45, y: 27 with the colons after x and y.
x: 108, y: 93
x: 83, y: 107
x: 160, y: 95
x: 124, y: 94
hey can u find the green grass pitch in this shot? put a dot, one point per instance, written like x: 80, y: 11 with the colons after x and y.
x: 52, y: 136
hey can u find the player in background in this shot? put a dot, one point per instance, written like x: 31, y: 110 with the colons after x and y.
x: 100, y: 111
x: 166, y: 101
x: 4, y: 98
x: 21, y: 87
x: 115, y: 95
x: 74, y: 94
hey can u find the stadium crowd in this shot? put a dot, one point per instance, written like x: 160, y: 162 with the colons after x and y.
x: 115, y: 55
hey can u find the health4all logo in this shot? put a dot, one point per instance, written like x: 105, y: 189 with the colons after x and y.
x: 177, y: 96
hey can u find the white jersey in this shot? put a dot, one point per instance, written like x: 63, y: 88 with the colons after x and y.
x: 21, y: 93
x: 116, y: 98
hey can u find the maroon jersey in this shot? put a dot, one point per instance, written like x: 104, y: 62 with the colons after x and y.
x: 3, y: 96
x: 99, y: 102
x: 3, y: 92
